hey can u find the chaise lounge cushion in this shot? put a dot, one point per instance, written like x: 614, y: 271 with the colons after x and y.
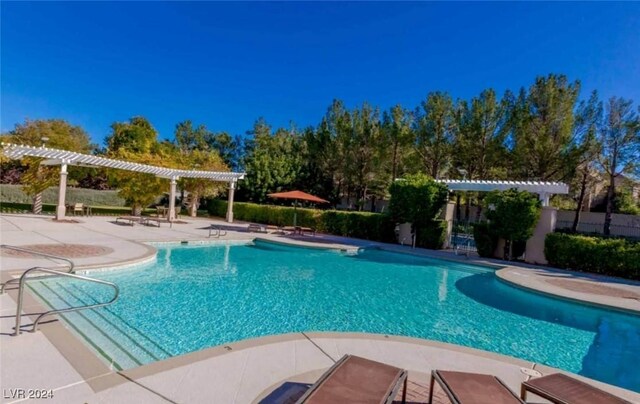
x: 475, y: 388
x: 356, y: 380
x: 562, y: 389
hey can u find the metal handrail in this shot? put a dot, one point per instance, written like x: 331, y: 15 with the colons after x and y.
x: 24, y: 278
x: 217, y: 229
x: 15, y: 280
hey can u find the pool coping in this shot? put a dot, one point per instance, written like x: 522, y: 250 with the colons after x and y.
x: 510, y: 276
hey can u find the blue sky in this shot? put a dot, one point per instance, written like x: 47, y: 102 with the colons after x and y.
x: 226, y: 64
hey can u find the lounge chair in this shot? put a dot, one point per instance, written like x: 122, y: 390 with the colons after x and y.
x: 290, y: 229
x: 308, y: 230
x: 131, y: 219
x: 157, y: 220
x: 562, y: 389
x: 258, y: 228
x: 355, y: 379
x: 472, y: 388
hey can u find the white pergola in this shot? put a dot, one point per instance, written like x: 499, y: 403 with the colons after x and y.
x: 543, y: 189
x: 65, y: 158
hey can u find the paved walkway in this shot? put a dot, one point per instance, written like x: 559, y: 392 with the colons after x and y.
x: 245, y: 371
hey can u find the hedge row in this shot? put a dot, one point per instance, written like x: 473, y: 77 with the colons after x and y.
x: 606, y: 256
x: 364, y: 225
x: 51, y: 208
x: 14, y: 194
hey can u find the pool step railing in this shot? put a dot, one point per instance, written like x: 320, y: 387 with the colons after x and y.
x: 56, y: 273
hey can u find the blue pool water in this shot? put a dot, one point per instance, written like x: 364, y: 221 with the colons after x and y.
x: 197, y: 297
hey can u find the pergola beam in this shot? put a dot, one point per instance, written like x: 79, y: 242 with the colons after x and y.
x: 542, y: 188
x: 64, y: 158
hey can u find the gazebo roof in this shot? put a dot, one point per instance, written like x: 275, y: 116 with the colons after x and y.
x: 536, y: 187
x: 58, y: 157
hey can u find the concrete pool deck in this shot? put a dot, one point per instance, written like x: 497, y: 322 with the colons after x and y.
x: 244, y: 371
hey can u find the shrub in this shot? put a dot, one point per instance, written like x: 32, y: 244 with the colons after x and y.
x: 606, y: 256
x: 486, y: 241
x: 92, y: 197
x: 368, y: 226
x: 432, y: 235
x: 11, y: 207
x: 513, y: 216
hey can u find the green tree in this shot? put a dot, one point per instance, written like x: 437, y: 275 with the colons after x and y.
x: 434, y: 133
x: 512, y: 215
x: 274, y: 161
x: 188, y: 137
x: 480, y: 135
x: 619, y: 138
x: 397, y: 137
x: 229, y: 148
x: 542, y: 122
x: 136, y: 136
x: 479, y: 141
x: 137, y: 141
x: 317, y: 176
x: 364, y: 147
x: 202, y: 160
x: 587, y: 122
x: 58, y: 134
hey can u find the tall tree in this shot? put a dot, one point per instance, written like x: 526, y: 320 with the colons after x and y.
x: 480, y: 135
x: 205, y: 160
x: 365, y: 141
x: 542, y: 129
x: 397, y: 137
x: 188, y: 137
x: 137, y: 141
x: 319, y: 163
x: 587, y: 122
x: 229, y: 148
x: 274, y: 161
x: 338, y: 124
x: 619, y: 139
x: 434, y: 133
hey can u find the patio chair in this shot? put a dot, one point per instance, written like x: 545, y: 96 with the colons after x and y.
x: 472, y: 388
x: 78, y: 207
x: 562, y: 389
x: 355, y: 379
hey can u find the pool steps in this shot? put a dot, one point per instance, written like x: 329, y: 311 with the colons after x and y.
x: 101, y: 328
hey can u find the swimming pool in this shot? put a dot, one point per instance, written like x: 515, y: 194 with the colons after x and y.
x: 196, y: 297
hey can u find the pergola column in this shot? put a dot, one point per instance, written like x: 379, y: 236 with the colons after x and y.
x: 61, y: 209
x: 232, y: 188
x: 172, y: 199
x: 544, y: 198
